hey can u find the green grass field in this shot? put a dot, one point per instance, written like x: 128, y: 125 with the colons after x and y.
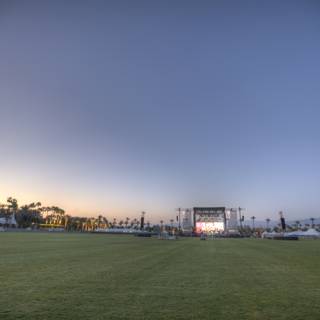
x: 87, y: 276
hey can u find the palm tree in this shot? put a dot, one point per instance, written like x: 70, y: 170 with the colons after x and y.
x: 3, y: 209
x: 253, y: 218
x: 171, y: 222
x: 134, y: 223
x: 161, y: 226
x: 12, y: 207
x: 268, y: 221
x: 13, y: 204
x: 29, y: 215
x: 312, y: 222
x: 127, y: 222
x: 99, y: 221
x: 105, y: 222
x: 94, y: 224
x: 297, y: 224
x: 66, y: 222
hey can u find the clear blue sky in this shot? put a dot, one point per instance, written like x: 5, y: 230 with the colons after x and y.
x: 115, y: 107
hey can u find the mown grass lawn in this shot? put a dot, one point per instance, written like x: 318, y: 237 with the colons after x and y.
x: 88, y: 276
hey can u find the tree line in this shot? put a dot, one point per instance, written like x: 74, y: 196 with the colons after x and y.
x: 34, y: 215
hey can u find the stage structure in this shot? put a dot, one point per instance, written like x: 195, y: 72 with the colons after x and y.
x: 187, y: 220
x: 214, y: 219
x: 232, y: 219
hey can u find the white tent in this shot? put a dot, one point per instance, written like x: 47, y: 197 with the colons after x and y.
x: 11, y: 221
x: 312, y: 233
x: 269, y: 235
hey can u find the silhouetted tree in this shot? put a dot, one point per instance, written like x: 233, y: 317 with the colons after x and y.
x: 253, y: 218
x: 312, y: 222
x: 268, y: 221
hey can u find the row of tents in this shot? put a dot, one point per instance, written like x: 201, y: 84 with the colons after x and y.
x: 311, y: 234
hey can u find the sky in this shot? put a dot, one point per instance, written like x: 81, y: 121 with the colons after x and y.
x: 114, y: 107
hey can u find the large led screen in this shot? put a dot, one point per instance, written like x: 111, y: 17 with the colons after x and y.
x: 209, y: 227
